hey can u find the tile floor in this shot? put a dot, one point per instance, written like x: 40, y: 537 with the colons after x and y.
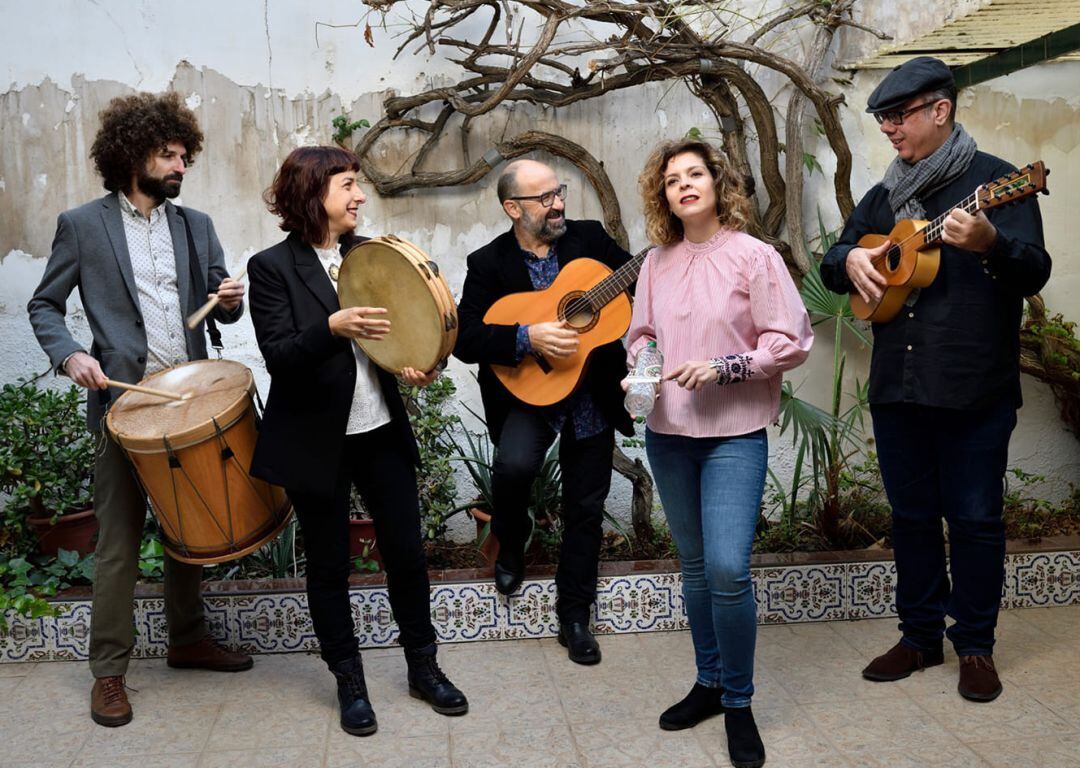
x: 532, y: 707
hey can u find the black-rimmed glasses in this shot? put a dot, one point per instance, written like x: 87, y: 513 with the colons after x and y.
x: 896, y: 117
x: 546, y: 199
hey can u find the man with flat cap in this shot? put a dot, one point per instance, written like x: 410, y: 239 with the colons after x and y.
x: 945, y: 373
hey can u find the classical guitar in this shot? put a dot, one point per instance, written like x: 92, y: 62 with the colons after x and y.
x: 592, y: 299
x: 915, y: 255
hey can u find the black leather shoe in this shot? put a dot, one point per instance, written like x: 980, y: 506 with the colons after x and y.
x: 576, y: 638
x: 700, y: 704
x: 428, y: 682
x: 743, y: 740
x: 357, y: 716
x: 509, y: 570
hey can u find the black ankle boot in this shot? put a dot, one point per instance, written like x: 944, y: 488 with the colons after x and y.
x: 743, y: 740
x: 509, y: 569
x: 428, y: 682
x: 700, y: 704
x: 357, y: 716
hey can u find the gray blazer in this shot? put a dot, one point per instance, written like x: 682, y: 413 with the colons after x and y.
x: 90, y: 253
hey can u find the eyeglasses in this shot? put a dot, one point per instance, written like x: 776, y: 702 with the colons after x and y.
x: 546, y: 199
x: 896, y: 117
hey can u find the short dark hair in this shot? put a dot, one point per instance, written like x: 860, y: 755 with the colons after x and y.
x: 300, y: 186
x: 507, y: 186
x: 945, y: 93
x: 133, y: 127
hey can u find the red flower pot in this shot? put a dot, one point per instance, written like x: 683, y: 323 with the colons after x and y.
x: 74, y: 531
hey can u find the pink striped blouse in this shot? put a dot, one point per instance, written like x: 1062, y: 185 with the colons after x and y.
x: 729, y: 297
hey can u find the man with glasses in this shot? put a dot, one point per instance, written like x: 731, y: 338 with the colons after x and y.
x: 944, y: 376
x: 527, y: 258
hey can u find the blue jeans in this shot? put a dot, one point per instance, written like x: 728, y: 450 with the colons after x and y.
x: 945, y: 463
x: 711, y: 491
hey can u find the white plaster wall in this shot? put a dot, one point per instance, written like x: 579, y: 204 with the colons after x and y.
x: 261, y: 85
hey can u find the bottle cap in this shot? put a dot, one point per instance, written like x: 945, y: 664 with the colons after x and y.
x: 651, y: 344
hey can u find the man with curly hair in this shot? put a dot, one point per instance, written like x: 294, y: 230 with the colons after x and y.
x: 141, y: 264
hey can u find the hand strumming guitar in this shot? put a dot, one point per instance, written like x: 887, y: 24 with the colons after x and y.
x: 556, y: 339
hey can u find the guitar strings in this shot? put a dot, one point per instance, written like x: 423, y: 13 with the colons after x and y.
x: 606, y: 289
x: 933, y: 227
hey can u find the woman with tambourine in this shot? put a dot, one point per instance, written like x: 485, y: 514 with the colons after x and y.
x: 333, y: 421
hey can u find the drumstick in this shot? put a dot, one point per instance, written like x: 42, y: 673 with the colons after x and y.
x: 147, y: 390
x: 200, y: 314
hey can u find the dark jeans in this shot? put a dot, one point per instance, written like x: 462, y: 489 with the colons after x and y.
x: 935, y: 463
x: 385, y: 476
x: 586, y: 479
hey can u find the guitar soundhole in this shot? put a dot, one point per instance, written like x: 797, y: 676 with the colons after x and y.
x: 576, y: 310
x: 894, y: 258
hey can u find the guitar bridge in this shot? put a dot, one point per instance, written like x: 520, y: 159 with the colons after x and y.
x: 545, y: 366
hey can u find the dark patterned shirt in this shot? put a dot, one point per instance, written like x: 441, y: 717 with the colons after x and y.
x: 587, y: 419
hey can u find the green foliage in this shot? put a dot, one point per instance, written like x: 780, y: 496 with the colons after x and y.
x: 811, y: 163
x: 365, y: 563
x: 344, y: 128
x: 151, y: 558
x: 433, y: 424
x: 46, y: 454
x: 25, y: 583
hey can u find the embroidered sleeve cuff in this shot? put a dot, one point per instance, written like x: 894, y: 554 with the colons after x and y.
x: 523, y: 346
x: 732, y: 369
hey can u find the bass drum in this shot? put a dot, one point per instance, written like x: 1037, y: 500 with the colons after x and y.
x: 393, y: 273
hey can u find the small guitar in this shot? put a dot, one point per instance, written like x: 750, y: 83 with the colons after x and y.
x: 592, y: 299
x: 915, y: 255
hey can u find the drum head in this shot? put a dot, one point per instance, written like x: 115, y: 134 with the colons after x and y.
x: 218, y: 389
x: 378, y: 273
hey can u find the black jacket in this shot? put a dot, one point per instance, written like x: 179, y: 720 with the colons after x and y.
x: 498, y: 269
x: 959, y: 345
x: 312, y: 372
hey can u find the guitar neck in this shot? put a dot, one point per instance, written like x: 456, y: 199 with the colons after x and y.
x: 617, y: 282
x: 1008, y: 189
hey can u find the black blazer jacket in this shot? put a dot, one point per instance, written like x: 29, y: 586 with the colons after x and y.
x: 499, y: 269
x: 312, y: 372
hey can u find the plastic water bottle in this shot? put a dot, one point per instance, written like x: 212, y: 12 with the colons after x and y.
x: 641, y: 396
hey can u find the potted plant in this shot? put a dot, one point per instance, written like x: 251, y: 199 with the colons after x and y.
x: 362, y: 542
x: 47, y: 466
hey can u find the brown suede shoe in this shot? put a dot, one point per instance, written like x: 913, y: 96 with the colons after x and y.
x: 208, y: 654
x: 978, y: 678
x: 899, y: 662
x: 109, y: 704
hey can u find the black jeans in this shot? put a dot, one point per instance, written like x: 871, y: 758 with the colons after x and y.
x: 385, y: 476
x: 935, y: 463
x: 586, y: 479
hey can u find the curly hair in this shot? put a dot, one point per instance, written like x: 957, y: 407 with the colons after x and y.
x: 300, y: 185
x: 134, y: 127
x: 732, y: 201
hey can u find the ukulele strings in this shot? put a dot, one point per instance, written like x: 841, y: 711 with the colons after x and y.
x: 935, y: 225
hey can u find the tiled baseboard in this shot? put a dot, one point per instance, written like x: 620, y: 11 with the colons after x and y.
x: 280, y: 623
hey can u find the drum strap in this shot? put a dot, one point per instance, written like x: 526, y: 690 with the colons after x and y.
x: 198, y: 284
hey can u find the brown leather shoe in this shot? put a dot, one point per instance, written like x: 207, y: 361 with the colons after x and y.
x: 899, y: 662
x: 207, y: 654
x: 109, y: 704
x: 978, y: 678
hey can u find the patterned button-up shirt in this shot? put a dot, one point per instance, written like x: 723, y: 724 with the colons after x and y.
x: 150, y: 248
x: 587, y: 419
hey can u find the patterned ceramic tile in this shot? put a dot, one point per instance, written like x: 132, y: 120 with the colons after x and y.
x: 873, y: 589
x: 803, y: 593
x: 280, y: 623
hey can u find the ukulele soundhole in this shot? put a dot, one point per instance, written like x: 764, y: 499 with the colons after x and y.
x: 576, y: 310
x: 894, y: 258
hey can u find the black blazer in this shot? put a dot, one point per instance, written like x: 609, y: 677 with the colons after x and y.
x: 499, y: 269
x: 312, y: 372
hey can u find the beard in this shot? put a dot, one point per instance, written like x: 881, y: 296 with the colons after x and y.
x: 546, y: 228
x: 159, y: 188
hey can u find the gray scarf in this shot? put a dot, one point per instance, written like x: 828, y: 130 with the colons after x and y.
x: 909, y: 183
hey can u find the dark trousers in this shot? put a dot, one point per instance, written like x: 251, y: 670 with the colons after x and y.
x: 120, y: 507
x: 383, y: 472
x: 586, y: 479
x: 935, y: 463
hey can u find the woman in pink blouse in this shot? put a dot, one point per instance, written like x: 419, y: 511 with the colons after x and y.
x: 725, y: 314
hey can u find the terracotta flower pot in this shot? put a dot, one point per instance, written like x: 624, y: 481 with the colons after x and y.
x: 489, y: 548
x: 74, y: 531
x: 361, y: 535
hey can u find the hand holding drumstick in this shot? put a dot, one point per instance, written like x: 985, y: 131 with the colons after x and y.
x: 229, y: 295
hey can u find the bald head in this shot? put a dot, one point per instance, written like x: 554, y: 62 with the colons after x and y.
x: 522, y: 174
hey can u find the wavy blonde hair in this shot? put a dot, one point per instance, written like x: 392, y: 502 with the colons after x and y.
x: 732, y: 203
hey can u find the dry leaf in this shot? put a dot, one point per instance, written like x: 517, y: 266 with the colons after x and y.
x: 368, y: 37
